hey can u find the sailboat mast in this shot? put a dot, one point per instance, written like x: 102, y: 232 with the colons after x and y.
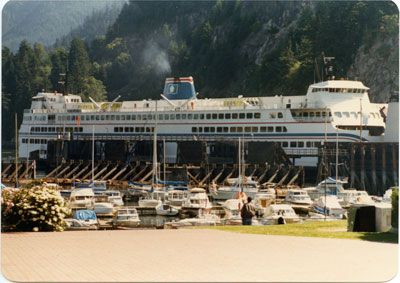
x: 155, y: 148
x: 16, y: 150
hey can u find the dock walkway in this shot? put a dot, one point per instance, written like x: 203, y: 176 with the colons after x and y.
x: 191, y: 255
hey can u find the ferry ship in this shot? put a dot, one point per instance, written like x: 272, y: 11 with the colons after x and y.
x: 332, y: 111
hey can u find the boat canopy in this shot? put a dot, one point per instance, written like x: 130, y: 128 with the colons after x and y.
x: 85, y: 215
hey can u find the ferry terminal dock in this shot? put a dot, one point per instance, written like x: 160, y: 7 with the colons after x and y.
x: 192, y: 255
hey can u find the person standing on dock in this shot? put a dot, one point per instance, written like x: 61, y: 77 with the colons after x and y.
x: 247, y: 212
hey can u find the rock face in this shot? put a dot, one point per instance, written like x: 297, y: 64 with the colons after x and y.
x: 378, y: 68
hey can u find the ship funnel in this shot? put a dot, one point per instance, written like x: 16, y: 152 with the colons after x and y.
x: 179, y: 88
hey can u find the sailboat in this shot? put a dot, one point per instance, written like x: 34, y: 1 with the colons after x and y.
x: 240, y: 185
x: 149, y: 201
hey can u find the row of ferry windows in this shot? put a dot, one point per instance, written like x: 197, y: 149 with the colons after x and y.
x: 277, y: 129
x: 183, y: 116
x: 34, y: 141
x: 56, y: 129
x: 355, y: 115
x: 343, y: 90
x: 271, y: 129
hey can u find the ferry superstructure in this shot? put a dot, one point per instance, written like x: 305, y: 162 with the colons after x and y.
x: 333, y: 110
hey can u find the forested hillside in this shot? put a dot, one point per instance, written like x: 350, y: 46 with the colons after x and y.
x: 43, y: 21
x: 229, y: 47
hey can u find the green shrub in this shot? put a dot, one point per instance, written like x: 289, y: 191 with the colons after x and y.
x: 36, y: 205
x: 395, y: 207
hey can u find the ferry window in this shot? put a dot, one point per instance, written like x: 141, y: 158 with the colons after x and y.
x: 183, y: 116
x: 132, y: 129
x: 324, y: 114
x: 263, y: 129
x: 227, y: 115
x: 239, y: 129
x: 196, y: 116
x: 76, y: 129
x: 68, y: 118
x: 190, y: 116
x: 234, y: 115
x: 249, y: 116
x: 338, y: 114
x: 43, y: 141
x: 300, y: 144
x: 346, y: 114
x: 285, y: 144
x: 226, y: 129
x: 172, y: 116
x: 128, y: 117
x: 241, y: 115
x: 247, y: 129
x: 31, y: 141
x: 254, y: 129
x: 200, y: 129
x: 102, y: 117
x: 137, y: 130
x: 317, y: 144
x: 122, y: 117
x: 133, y: 117
x: 257, y: 115
x: 144, y: 117
x: 117, y: 117
x: 305, y: 114
x: 293, y: 144
x: 330, y: 114
x: 201, y: 116
x: 44, y: 130
x: 166, y: 116
x: 219, y: 129
x: 312, y: 114
x: 221, y: 116
x: 194, y: 129
x: 284, y: 129
x: 126, y: 129
x: 233, y: 129
x: 212, y: 129
x: 206, y: 129
x: 148, y: 130
x: 272, y: 115
x: 160, y: 116
x: 309, y: 144
x: 318, y: 114
x: 115, y: 129
x: 270, y: 129
x: 280, y: 115
x: 150, y: 117
x: 178, y: 116
x: 278, y: 129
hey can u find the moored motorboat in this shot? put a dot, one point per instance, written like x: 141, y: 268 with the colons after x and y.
x: 82, y: 220
x: 280, y: 214
x: 102, y: 205
x: 114, y: 197
x: 126, y: 217
x: 82, y: 198
x: 329, y: 205
x: 166, y: 210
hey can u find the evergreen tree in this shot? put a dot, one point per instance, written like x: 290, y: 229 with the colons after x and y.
x: 78, y: 66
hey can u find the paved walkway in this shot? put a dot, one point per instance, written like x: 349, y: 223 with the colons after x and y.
x: 191, y: 255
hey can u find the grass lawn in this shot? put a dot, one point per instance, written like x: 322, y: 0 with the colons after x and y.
x: 323, y: 229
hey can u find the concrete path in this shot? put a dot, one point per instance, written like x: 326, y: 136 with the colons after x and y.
x: 186, y: 255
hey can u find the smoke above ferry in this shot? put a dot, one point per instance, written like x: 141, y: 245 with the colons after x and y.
x: 157, y: 58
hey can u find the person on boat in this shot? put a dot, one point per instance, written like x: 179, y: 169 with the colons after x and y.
x: 248, y: 211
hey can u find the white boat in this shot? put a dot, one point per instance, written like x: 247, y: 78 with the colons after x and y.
x: 280, y: 214
x: 149, y: 201
x: 176, y: 197
x: 98, y: 187
x: 264, y: 199
x: 114, y: 197
x: 249, y: 187
x: 200, y: 220
x: 197, y: 199
x: 330, y: 207
x: 330, y: 186
x: 126, y: 217
x: 298, y: 197
x: 82, y: 198
x: 298, y: 123
x: 232, y: 209
x: 102, y: 205
x: 166, y: 210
